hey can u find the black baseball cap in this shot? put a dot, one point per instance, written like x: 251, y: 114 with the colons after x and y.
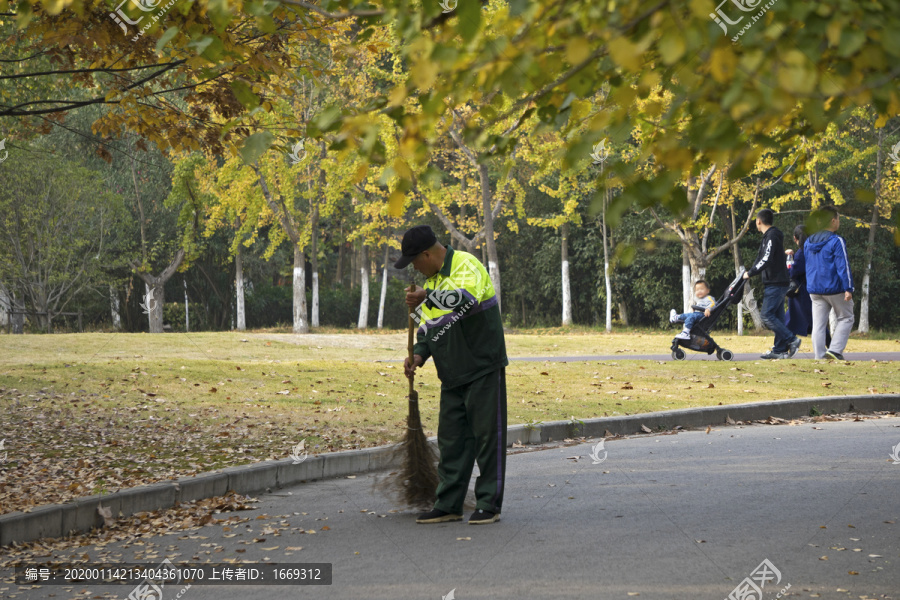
x: 415, y: 241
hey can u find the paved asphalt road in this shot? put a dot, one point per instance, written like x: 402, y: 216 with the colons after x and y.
x: 673, y: 516
x: 702, y: 356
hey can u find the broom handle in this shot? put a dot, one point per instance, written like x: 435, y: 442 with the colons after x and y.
x: 409, y: 342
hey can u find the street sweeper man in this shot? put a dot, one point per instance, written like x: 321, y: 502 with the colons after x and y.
x: 460, y: 328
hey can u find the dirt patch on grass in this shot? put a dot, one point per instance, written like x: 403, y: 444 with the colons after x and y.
x: 391, y: 343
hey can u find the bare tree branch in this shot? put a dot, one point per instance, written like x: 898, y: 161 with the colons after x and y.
x: 712, y: 213
x: 286, y: 221
x: 668, y: 226
x: 70, y: 71
x: 701, y: 191
x: 743, y: 230
x: 15, y: 111
x: 455, y: 234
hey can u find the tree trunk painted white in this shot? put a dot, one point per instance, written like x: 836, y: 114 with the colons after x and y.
x: 685, y: 281
x: 187, y: 314
x: 606, y: 267
x: 736, y: 254
x: 353, y: 266
x: 18, y: 320
x: 314, y: 255
x: 384, y: 282
x: 364, y: 287
x: 494, y: 272
x: 864, y: 303
x: 301, y: 325
x: 154, y: 299
x: 753, y: 307
x: 490, y: 244
x: 315, y: 299
x: 870, y: 245
x: 748, y: 301
x: 187, y: 309
x: 566, y: 288
x: 4, y: 306
x: 114, y: 307
x: 147, y: 306
x: 239, y: 289
x: 608, y: 295
x: 623, y: 313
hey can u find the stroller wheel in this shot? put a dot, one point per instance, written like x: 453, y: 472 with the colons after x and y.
x: 723, y: 354
x: 678, y: 354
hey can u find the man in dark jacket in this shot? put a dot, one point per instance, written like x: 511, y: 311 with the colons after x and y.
x: 770, y: 261
x: 462, y: 330
x: 830, y: 286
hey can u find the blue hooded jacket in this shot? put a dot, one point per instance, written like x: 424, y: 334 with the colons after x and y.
x: 827, y: 264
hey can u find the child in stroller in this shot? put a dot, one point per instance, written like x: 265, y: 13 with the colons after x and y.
x: 697, y: 325
x: 702, y: 306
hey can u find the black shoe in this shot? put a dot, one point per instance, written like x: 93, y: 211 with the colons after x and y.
x: 482, y: 517
x: 772, y: 355
x: 437, y: 516
x: 830, y: 355
x: 793, y: 347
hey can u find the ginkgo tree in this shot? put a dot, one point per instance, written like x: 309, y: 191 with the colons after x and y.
x: 235, y: 205
x: 187, y: 201
x: 471, y: 182
x: 801, y: 67
x: 569, y: 188
x: 281, y: 194
x: 797, y: 71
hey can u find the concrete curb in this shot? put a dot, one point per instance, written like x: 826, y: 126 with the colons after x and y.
x: 700, y: 417
x: 57, y: 520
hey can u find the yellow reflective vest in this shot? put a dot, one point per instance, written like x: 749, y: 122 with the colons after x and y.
x: 459, y: 322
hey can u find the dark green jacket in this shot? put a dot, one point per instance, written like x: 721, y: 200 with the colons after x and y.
x: 459, y: 322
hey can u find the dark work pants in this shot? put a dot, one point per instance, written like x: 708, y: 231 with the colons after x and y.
x: 772, y: 314
x: 472, y: 427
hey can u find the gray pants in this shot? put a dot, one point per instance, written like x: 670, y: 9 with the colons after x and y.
x: 821, y: 307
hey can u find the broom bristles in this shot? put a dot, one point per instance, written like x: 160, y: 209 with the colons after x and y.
x: 415, y: 483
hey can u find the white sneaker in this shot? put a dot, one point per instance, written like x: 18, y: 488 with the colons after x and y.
x: 673, y: 316
x: 684, y: 335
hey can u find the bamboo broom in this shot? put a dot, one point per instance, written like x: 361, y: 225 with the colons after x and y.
x: 416, y: 482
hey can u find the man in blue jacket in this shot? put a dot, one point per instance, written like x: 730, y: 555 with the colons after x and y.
x: 830, y: 286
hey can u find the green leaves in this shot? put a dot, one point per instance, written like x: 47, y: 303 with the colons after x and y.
x: 327, y: 120
x: 208, y: 46
x: 244, y: 94
x: 170, y: 33
x: 24, y: 13
x: 256, y: 145
x: 851, y: 41
x: 219, y: 14
x: 468, y: 22
x: 817, y: 221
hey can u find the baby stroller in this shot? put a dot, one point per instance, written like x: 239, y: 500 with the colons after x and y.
x: 700, y: 340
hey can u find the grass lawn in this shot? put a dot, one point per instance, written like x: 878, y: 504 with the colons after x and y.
x: 92, y: 413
